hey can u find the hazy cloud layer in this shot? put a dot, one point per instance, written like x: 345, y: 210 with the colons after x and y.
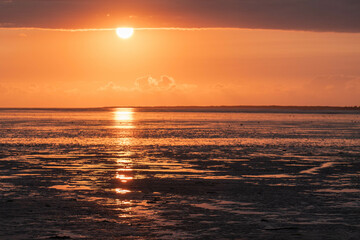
x: 314, y: 15
x: 331, y: 90
x: 150, y: 83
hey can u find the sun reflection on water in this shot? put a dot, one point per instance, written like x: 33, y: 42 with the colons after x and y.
x: 123, y: 178
x: 124, y: 114
x: 123, y: 119
x: 121, y: 190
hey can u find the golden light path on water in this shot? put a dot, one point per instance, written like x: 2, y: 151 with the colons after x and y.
x: 123, y: 120
x: 123, y: 115
x: 128, y: 208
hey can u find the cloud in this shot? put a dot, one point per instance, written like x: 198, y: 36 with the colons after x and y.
x: 149, y: 83
x: 313, y: 15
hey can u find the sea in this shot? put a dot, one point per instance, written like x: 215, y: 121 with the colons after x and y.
x: 180, y: 173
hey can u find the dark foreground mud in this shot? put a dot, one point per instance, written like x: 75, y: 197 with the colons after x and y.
x: 205, y: 176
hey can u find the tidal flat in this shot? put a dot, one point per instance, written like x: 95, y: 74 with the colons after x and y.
x: 189, y: 173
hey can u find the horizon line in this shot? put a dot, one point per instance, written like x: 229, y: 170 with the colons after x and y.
x: 198, y: 106
x: 172, y: 29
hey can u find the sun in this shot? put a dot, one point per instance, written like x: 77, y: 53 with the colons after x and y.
x: 124, y: 33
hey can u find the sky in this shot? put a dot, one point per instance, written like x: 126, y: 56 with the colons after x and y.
x: 62, y: 53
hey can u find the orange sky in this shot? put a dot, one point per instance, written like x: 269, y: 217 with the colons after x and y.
x: 50, y: 68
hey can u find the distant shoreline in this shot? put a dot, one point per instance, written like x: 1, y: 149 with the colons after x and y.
x: 234, y: 109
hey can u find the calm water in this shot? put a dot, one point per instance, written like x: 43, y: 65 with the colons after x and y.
x: 134, y: 174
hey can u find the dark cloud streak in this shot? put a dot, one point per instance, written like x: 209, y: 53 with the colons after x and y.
x: 312, y: 15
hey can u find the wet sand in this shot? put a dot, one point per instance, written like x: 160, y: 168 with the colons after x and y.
x: 129, y: 175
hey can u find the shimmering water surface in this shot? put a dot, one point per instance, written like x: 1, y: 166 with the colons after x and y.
x: 128, y: 173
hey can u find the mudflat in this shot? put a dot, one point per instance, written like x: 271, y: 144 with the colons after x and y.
x: 127, y: 173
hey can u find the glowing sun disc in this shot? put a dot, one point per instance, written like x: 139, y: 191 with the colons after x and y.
x: 124, y: 33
